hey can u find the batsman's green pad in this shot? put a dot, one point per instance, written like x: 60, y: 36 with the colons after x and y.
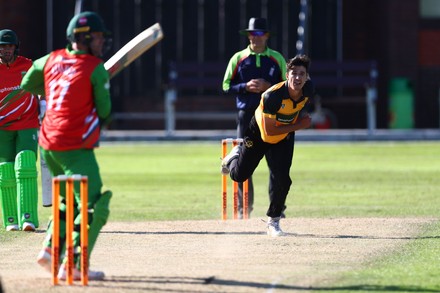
x: 27, y: 187
x: 98, y: 216
x: 8, y: 194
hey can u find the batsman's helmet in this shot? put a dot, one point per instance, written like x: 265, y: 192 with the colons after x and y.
x: 85, y: 23
x: 9, y: 37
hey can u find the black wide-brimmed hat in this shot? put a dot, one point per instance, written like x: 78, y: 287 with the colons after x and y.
x: 256, y: 24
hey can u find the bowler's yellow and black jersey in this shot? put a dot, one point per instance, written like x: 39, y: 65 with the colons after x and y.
x: 276, y: 103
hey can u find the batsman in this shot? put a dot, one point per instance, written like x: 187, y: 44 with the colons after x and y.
x: 18, y: 135
x: 76, y: 86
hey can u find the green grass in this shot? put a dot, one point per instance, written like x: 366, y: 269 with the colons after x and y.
x: 181, y: 181
x: 382, y: 179
x: 166, y: 181
x: 414, y: 268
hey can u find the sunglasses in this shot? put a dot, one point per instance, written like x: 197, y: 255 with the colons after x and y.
x: 257, y: 33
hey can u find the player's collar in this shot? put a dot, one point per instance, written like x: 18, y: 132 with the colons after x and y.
x: 73, y: 51
x: 264, y: 53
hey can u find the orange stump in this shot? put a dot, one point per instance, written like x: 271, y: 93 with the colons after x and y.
x: 225, y: 143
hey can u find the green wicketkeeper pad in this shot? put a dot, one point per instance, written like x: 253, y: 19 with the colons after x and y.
x: 27, y: 187
x: 8, y: 194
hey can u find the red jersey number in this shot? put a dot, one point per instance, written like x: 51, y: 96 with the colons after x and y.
x: 57, y: 88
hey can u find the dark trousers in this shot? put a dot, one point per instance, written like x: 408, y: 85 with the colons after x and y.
x: 279, y: 160
x: 243, y: 119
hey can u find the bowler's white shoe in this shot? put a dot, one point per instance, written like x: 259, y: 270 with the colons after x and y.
x: 28, y: 227
x: 273, y: 227
x: 13, y: 227
x: 228, y: 159
x: 93, y: 275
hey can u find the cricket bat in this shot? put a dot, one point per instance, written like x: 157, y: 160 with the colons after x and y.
x: 120, y: 60
x: 133, y: 49
x: 46, y: 183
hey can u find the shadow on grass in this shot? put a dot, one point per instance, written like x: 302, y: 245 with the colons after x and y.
x: 263, y: 233
x: 183, y: 233
x: 367, y: 237
x: 165, y: 284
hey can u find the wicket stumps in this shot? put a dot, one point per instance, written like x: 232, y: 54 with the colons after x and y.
x: 225, y: 143
x: 70, y: 201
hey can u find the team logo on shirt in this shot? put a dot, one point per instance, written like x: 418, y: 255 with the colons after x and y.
x: 248, y: 143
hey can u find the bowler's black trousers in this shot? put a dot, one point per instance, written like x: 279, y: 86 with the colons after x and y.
x: 244, y: 117
x: 279, y: 159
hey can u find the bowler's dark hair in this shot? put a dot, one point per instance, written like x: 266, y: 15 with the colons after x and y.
x: 299, y: 60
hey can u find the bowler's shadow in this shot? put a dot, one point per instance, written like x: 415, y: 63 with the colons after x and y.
x: 158, y: 284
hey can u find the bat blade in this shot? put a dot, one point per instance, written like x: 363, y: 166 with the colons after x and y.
x: 46, y: 183
x: 133, y: 49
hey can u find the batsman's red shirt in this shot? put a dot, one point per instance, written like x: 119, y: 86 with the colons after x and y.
x: 77, y: 90
x: 18, y: 109
x: 70, y: 107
